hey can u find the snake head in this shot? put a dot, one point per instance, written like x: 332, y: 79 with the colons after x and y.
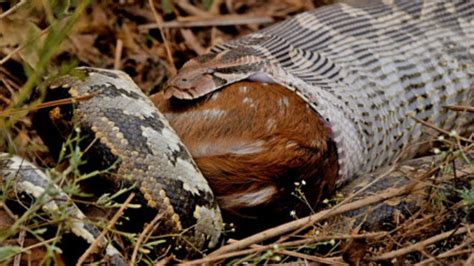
x: 207, y: 73
x: 192, y: 81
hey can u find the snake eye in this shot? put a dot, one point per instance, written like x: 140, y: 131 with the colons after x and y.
x: 210, y: 71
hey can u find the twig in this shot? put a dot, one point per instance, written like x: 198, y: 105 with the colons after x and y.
x: 5, y: 99
x: 260, y: 248
x: 223, y: 20
x: 159, y: 25
x: 470, y: 260
x: 461, y: 108
x: 118, y: 54
x: 142, y: 235
x: 430, y: 125
x: 191, y: 9
x: 8, y: 211
x: 10, y: 81
x: 12, y: 9
x: 420, y: 245
x: 43, y: 243
x: 192, y: 42
x: 109, y: 226
x: 48, y: 104
x: 293, y: 225
x: 213, y: 258
x: 353, y: 195
x: 21, y: 242
x: 452, y: 252
x: 214, y: 10
x: 306, y: 221
x: 165, y: 261
x: 309, y: 240
x: 21, y: 47
x: 329, y: 261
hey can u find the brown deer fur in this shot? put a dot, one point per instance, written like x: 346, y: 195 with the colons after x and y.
x: 252, y: 142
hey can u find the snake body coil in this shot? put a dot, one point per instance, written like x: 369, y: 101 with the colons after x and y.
x: 125, y: 131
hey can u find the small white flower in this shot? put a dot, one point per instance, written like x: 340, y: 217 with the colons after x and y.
x: 293, y: 213
x: 441, y: 138
x: 332, y: 242
x: 453, y: 133
x: 297, y: 184
x: 325, y: 201
x: 303, y: 182
x: 276, y: 258
x: 436, y: 151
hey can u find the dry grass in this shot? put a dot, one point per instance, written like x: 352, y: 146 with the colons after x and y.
x: 40, y: 39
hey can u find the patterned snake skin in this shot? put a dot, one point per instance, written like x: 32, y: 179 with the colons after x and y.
x: 30, y: 180
x: 366, y: 69
x: 123, y: 130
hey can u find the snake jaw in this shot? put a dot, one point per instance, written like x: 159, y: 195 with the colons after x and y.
x: 190, y: 85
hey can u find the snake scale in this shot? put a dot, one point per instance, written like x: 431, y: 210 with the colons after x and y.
x: 365, y: 68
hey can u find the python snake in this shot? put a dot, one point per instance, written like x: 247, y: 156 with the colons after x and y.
x: 366, y: 69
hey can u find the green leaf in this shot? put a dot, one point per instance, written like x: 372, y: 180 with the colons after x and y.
x: 167, y: 6
x: 467, y: 194
x: 8, y: 252
x: 40, y: 231
x: 207, y: 4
